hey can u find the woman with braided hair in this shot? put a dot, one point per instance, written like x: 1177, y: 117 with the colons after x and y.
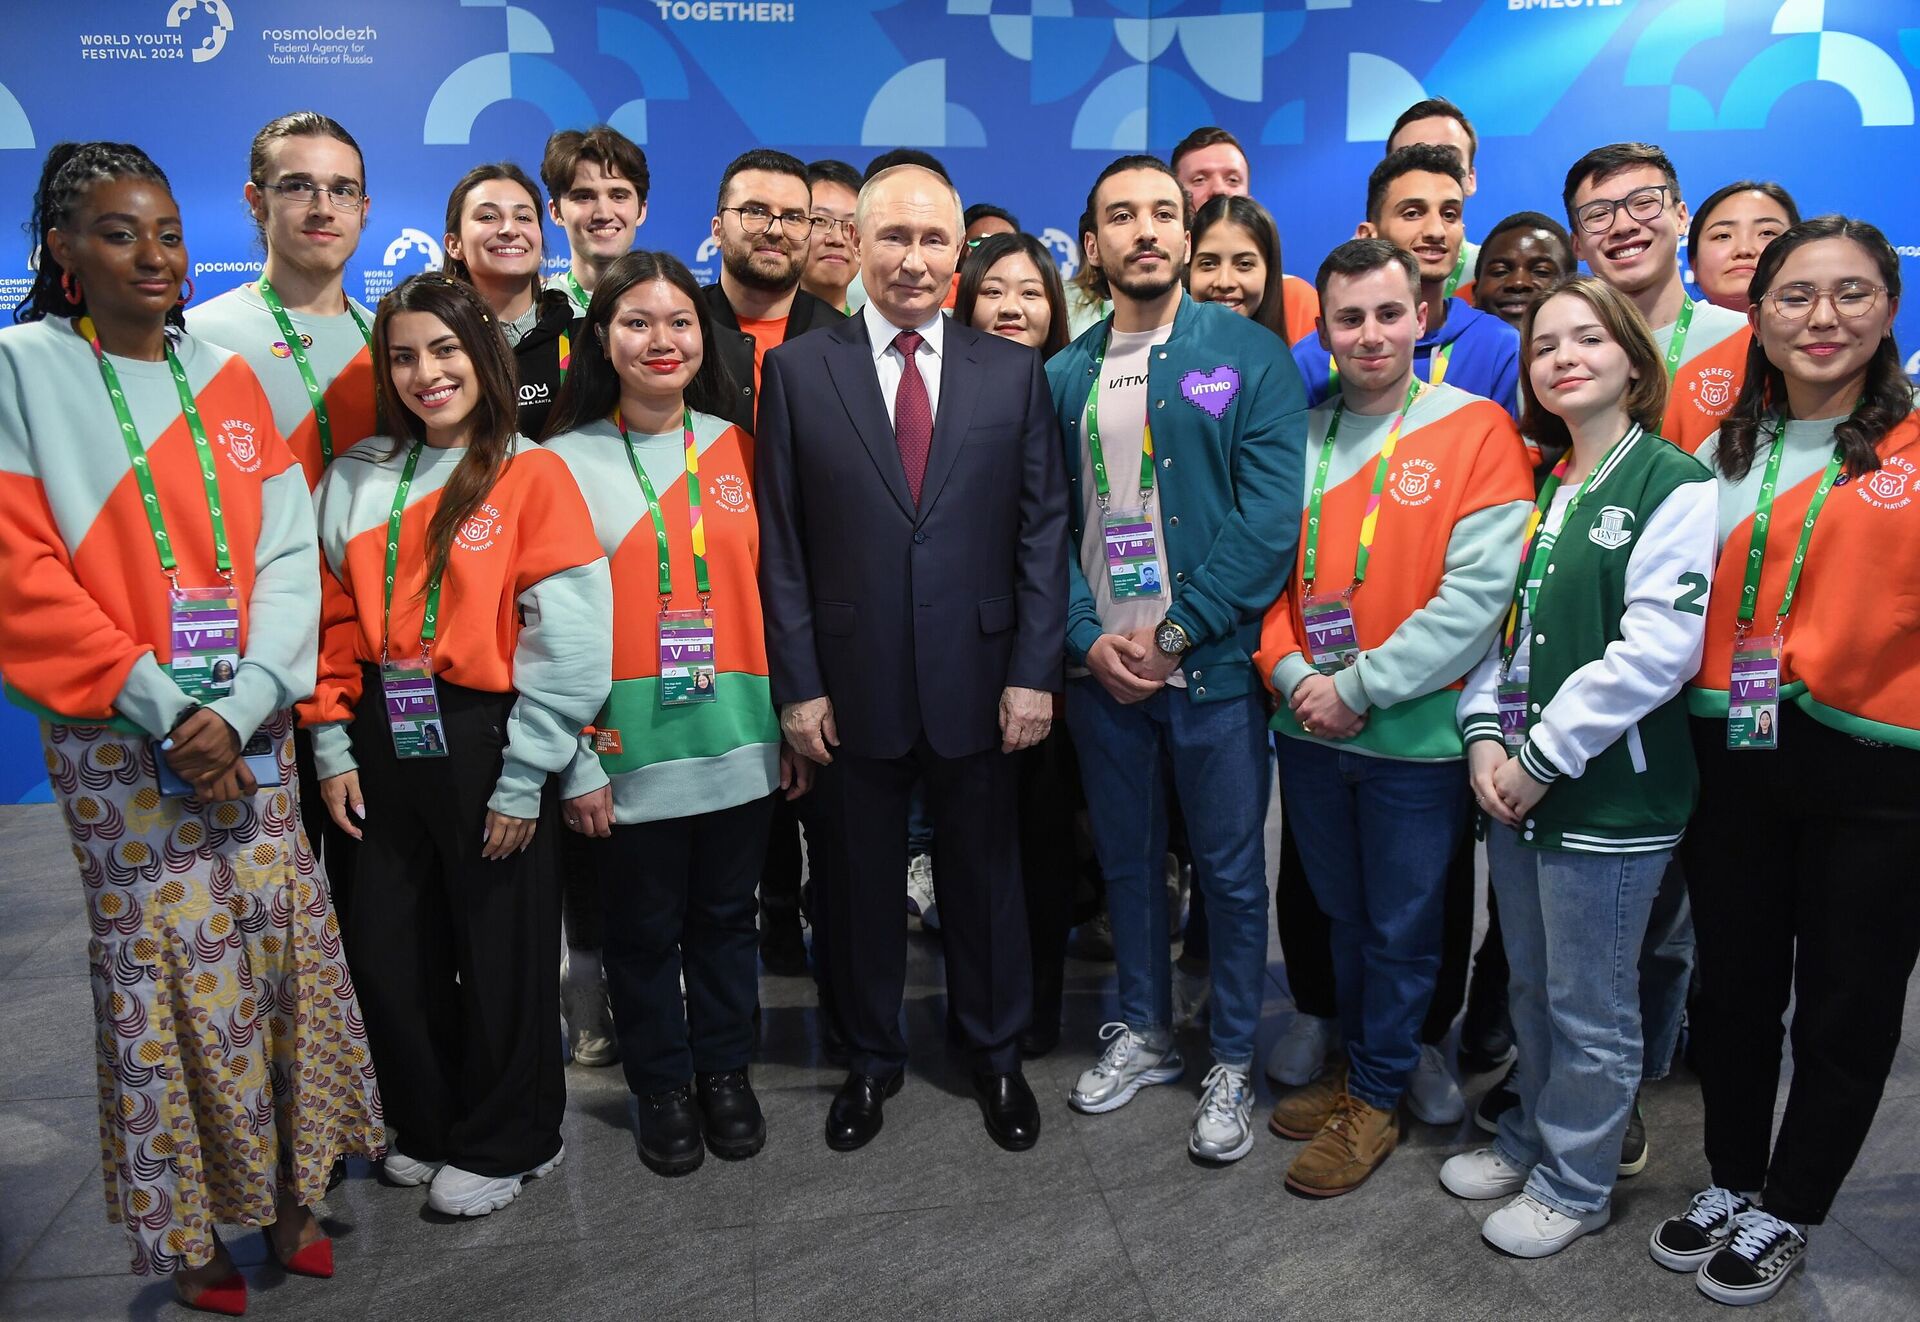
x: 159, y: 587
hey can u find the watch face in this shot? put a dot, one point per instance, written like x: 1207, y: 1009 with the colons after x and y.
x: 1169, y: 639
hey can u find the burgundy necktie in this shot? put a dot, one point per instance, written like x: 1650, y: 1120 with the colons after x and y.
x: 912, y: 415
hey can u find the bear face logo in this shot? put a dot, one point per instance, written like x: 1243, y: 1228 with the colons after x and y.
x: 1417, y: 483
x: 477, y: 529
x: 730, y: 491
x: 243, y: 450
x: 1716, y: 391
x: 1890, y: 487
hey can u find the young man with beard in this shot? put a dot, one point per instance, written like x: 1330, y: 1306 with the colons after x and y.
x: 1626, y: 214
x: 306, y: 340
x: 597, y: 189
x: 1183, y: 425
x: 764, y: 222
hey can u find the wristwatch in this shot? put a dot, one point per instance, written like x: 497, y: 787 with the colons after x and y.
x: 1171, y: 639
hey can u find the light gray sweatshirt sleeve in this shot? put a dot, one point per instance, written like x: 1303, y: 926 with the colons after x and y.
x: 283, y: 613
x: 562, y: 671
x: 1442, y: 641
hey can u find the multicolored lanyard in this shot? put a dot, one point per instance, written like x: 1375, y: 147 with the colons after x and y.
x: 142, y: 471
x: 298, y: 350
x: 1458, y: 274
x: 1099, y: 455
x: 1763, y: 518
x: 1533, y: 548
x: 430, y: 620
x: 696, y: 526
x: 1678, y: 343
x: 1436, y: 367
x: 580, y: 298
x: 1371, y: 519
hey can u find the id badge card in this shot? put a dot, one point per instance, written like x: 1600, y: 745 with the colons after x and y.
x: 686, y: 658
x: 1513, y: 712
x: 1133, y: 558
x: 258, y: 753
x: 205, y: 625
x: 1753, y: 694
x: 413, y: 710
x: 1332, y: 644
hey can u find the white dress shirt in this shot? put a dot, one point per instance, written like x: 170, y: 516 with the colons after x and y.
x: 889, y: 362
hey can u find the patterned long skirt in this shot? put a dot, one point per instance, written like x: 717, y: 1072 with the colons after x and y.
x: 230, y: 1048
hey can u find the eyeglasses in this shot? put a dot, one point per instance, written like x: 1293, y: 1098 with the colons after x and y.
x: 302, y: 191
x: 1643, y: 204
x: 831, y: 224
x: 755, y: 221
x: 1851, y: 298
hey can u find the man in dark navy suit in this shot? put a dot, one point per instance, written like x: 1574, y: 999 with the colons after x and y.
x: 913, y: 570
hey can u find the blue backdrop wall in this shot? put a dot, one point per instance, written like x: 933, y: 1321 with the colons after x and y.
x: 1024, y: 99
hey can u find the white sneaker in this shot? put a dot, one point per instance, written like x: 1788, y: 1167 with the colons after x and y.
x: 1124, y: 1068
x: 1528, y: 1228
x: 462, y: 1193
x: 1482, y: 1173
x: 919, y: 886
x: 1190, y: 994
x: 588, y: 1012
x: 1301, y: 1050
x: 1223, y: 1122
x: 403, y: 1170
x: 1432, y: 1094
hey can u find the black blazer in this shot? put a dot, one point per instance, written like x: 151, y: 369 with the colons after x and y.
x: 911, y: 620
x: 735, y: 346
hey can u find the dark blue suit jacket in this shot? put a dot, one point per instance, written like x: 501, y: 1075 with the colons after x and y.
x: 912, y: 620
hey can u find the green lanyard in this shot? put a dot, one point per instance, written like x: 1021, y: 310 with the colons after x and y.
x: 142, y: 471
x: 1763, y: 517
x: 696, y: 525
x: 1371, y: 519
x: 580, y: 298
x: 430, y: 619
x: 1099, y: 455
x: 298, y: 350
x: 1677, y: 344
x: 1534, y: 551
x: 1458, y: 274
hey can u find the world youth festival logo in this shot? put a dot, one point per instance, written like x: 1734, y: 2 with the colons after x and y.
x: 212, y: 44
x: 411, y: 252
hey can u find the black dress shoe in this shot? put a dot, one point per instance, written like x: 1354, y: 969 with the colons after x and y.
x: 1012, y: 1115
x: 668, y: 1132
x: 855, y: 1117
x: 734, y: 1126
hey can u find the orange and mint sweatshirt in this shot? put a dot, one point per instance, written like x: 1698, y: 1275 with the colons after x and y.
x: 239, y: 322
x: 695, y: 757
x: 524, y: 603
x: 1451, y: 517
x: 1707, y: 379
x: 85, y: 633
x: 1850, y: 657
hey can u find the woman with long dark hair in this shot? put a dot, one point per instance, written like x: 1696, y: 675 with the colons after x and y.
x: 674, y: 787
x: 1806, y: 724
x: 157, y: 592
x: 464, y: 595
x: 1236, y: 261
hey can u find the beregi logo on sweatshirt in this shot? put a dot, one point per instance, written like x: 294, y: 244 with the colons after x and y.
x: 1714, y: 390
x: 243, y: 450
x: 1416, y: 484
x: 730, y: 491
x: 1613, y: 529
x: 1890, y: 487
x: 477, y: 529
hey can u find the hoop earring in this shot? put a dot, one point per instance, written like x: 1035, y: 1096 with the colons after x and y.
x: 186, y: 295
x: 70, y: 289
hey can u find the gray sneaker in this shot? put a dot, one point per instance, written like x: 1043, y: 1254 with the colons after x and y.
x: 1124, y: 1068
x: 1223, y: 1122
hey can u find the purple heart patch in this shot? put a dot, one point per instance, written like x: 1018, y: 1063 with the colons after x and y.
x: 1211, y: 392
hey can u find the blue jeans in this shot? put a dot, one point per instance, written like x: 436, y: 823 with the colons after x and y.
x: 1666, y: 972
x: 1218, y: 752
x: 1574, y: 926
x: 1375, y: 836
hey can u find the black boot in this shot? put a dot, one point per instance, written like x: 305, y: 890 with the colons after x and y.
x: 668, y: 1132
x: 734, y: 1126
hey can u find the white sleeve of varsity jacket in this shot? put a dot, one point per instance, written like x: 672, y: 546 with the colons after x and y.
x: 1478, y: 711
x: 1661, y: 638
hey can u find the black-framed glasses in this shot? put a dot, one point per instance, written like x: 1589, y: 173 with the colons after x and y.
x: 755, y: 221
x: 1643, y: 204
x: 1851, y: 298
x: 302, y: 191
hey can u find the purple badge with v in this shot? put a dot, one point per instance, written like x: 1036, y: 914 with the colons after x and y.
x: 1212, y: 391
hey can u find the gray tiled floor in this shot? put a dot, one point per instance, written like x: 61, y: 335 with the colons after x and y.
x: 1106, y: 1219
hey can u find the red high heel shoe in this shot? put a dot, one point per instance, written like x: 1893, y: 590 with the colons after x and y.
x: 315, y: 1259
x: 228, y: 1297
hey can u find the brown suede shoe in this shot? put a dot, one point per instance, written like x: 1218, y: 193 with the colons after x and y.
x: 1344, y: 1153
x: 1305, y: 1111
